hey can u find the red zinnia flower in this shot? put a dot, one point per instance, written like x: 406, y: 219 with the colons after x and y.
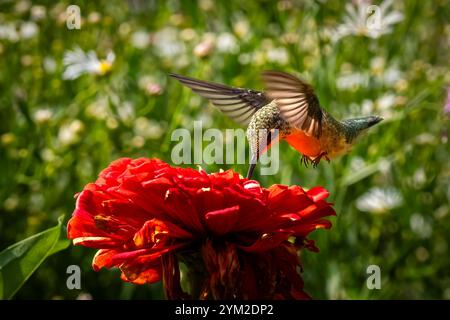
x: 236, y: 238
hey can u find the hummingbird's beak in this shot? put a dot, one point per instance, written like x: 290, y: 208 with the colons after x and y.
x: 373, y: 120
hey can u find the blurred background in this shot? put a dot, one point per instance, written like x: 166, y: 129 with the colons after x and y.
x: 62, y: 120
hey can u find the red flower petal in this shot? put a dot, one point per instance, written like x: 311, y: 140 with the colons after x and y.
x: 267, y: 242
x: 141, y: 277
x: 222, y: 221
x: 318, y: 193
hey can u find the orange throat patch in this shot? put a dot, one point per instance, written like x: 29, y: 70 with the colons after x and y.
x: 306, y: 145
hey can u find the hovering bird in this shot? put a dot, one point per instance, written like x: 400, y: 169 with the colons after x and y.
x: 288, y: 110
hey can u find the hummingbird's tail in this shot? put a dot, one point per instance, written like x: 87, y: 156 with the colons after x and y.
x: 251, y: 168
x: 260, y: 141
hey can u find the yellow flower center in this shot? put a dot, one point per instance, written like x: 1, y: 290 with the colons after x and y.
x: 362, y: 31
x: 104, y: 67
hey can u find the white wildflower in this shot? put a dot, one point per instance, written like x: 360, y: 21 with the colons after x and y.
x: 124, y: 29
x: 99, y: 109
x: 205, y: 119
x: 378, y: 200
x: 49, y: 64
x: 167, y: 44
x: 84, y: 296
x: 138, y: 141
x: 70, y: 133
x: 28, y: 30
x: 419, y: 178
x: 352, y: 80
x: 392, y: 75
x: 385, y: 105
x: 205, y: 47
x: 227, y: 43
x: 245, y: 58
x: 148, y: 128
x: 112, y: 123
x: 384, y: 166
x: 386, y: 101
x: 259, y: 58
x: 38, y: 12
x: 425, y: 138
x: 140, y: 39
x: 77, y: 62
x: 241, y: 28
x: 363, y: 19
x: 43, y: 115
x: 367, y: 107
x: 94, y: 17
x: 357, y: 163
x: 125, y: 111
x: 150, y: 85
x: 11, y: 203
x: 9, y: 32
x: 22, y: 6
x: 377, y: 65
x: 48, y: 155
x: 278, y: 55
x: 420, y: 226
x: 188, y: 34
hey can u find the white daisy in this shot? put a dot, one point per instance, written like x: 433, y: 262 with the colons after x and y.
x: 38, y: 12
x: 378, y: 200
x: 43, y: 115
x: 227, y: 42
x: 205, y: 47
x: 167, y: 43
x: 28, y: 30
x: 140, y: 39
x: 392, y: 75
x: 77, y: 62
x: 69, y: 133
x: 352, y: 80
x: 363, y: 19
x: 9, y: 32
x: 148, y: 128
x: 278, y: 55
x: 420, y: 226
x: 49, y: 64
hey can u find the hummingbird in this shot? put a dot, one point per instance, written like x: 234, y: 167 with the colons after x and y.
x: 288, y: 109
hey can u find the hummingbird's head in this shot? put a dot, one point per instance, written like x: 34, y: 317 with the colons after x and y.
x: 356, y: 126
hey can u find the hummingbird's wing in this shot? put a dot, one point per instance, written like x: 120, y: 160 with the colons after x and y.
x: 239, y: 104
x: 296, y: 101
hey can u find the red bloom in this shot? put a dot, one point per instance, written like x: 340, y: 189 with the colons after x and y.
x: 237, y: 239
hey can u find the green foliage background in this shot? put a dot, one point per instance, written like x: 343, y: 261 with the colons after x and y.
x: 115, y: 115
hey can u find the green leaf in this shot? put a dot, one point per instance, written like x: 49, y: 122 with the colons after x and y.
x: 19, y: 261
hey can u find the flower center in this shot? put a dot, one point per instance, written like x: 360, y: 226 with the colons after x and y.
x: 104, y: 67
